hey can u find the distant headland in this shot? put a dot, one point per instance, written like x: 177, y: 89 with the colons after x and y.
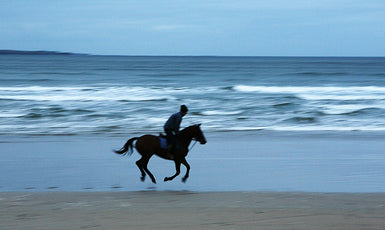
x: 37, y: 52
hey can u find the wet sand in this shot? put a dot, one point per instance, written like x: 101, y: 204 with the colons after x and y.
x: 232, y: 161
x: 191, y: 210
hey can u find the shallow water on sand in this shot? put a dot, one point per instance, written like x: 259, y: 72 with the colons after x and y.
x: 234, y: 161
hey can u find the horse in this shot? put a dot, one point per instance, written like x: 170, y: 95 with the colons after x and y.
x: 149, y: 145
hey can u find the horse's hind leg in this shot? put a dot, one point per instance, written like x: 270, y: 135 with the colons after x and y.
x: 139, y: 163
x: 184, y: 162
x: 142, y: 164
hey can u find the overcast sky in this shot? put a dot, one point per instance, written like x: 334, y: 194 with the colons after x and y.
x: 196, y: 27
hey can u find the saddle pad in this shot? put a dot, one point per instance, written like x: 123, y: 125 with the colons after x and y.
x: 163, y: 142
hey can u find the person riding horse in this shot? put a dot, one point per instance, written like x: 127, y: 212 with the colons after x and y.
x: 171, y: 128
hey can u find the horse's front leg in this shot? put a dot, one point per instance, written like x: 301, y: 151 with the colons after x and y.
x: 177, y: 167
x: 184, y: 162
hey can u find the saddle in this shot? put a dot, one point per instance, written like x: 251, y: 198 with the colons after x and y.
x: 163, y: 141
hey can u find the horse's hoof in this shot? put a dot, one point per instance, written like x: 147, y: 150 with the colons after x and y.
x: 184, y: 179
x: 166, y: 179
x: 142, y: 178
x: 154, y: 181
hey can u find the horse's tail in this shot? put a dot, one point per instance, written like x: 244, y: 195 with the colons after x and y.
x: 128, y: 148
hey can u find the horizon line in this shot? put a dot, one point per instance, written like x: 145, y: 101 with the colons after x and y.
x: 50, y: 52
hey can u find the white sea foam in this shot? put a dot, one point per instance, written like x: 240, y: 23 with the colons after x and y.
x: 310, y: 89
x: 38, y: 93
x: 8, y: 115
x: 155, y: 120
x: 320, y: 92
x: 221, y: 112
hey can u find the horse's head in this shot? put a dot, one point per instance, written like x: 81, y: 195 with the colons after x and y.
x: 198, y: 134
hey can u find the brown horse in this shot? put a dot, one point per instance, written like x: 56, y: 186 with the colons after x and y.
x: 148, y: 145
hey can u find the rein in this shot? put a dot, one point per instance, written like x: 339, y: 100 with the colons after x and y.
x: 193, y: 144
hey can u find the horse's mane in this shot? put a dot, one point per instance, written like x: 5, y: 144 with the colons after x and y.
x: 188, y: 128
x: 185, y: 132
x: 182, y: 132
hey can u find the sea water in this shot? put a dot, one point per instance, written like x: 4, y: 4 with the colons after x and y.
x: 113, y: 95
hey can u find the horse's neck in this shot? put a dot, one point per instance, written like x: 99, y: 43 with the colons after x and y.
x: 185, y: 138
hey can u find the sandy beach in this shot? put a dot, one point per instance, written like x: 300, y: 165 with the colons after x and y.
x: 249, y: 180
x: 191, y: 210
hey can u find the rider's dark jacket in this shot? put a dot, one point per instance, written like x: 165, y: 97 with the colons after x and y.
x: 173, y: 123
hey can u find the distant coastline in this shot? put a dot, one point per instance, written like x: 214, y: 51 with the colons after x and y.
x: 45, y: 52
x: 37, y: 52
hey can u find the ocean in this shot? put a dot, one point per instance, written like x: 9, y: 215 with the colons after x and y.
x: 272, y: 123
x: 70, y: 94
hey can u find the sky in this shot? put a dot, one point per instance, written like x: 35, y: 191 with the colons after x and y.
x: 196, y: 27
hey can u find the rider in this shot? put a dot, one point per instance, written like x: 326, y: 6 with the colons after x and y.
x: 171, y: 128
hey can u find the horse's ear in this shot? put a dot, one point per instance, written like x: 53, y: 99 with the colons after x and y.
x: 198, y: 125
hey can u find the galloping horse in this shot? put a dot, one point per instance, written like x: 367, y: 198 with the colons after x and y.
x: 148, y: 145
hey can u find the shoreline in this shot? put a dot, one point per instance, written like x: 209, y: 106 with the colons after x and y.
x: 191, y: 210
x: 233, y: 161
